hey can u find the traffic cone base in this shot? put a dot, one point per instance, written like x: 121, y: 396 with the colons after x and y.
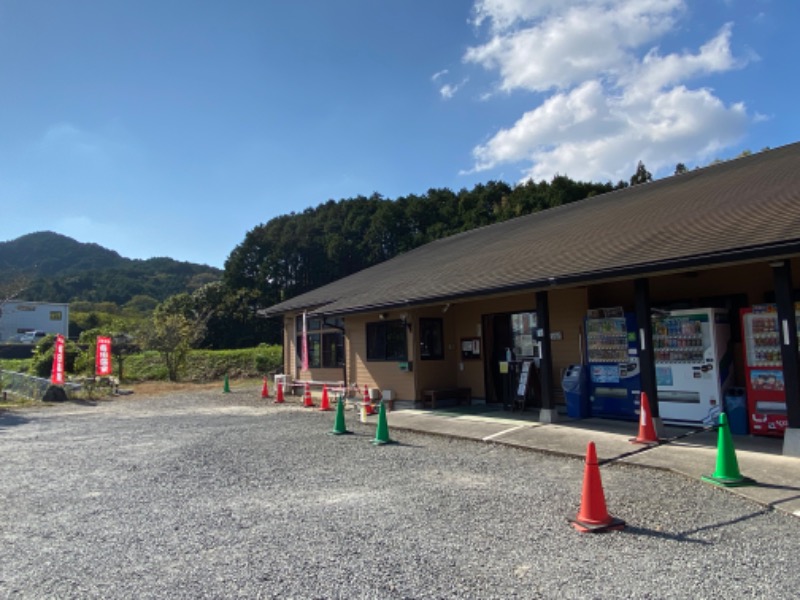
x: 382, y: 431
x: 727, y: 472
x: 723, y: 482
x: 339, y: 427
x: 647, y: 430
x: 614, y: 525
x: 593, y: 516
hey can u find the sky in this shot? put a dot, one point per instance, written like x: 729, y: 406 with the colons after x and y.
x: 174, y: 127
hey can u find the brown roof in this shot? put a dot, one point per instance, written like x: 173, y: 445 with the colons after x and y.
x: 737, y: 210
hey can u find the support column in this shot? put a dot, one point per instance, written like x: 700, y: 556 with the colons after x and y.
x: 784, y: 299
x: 548, y: 413
x: 647, y: 363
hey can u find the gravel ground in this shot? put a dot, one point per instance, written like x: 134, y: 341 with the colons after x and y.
x: 211, y: 495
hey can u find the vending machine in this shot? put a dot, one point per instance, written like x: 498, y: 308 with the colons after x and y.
x: 613, y: 364
x: 693, y: 364
x: 766, y: 398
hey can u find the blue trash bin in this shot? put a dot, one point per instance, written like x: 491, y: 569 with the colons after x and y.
x: 576, y: 392
x: 736, y: 410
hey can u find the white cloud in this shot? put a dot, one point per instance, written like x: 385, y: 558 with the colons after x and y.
x: 610, y: 97
x: 438, y: 75
x: 503, y: 14
x: 449, y: 90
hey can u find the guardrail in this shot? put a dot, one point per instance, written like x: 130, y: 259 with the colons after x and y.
x: 28, y: 386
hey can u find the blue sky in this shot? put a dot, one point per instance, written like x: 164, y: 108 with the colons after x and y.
x: 173, y: 127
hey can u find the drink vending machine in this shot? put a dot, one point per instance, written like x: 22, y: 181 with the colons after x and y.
x: 693, y: 364
x: 766, y: 398
x: 613, y: 364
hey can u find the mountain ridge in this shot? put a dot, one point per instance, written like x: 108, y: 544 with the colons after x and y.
x: 62, y: 269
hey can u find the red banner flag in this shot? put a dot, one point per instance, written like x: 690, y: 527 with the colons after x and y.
x: 57, y: 377
x: 305, y: 343
x: 102, y: 361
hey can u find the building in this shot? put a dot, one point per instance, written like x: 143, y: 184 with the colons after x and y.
x: 443, y: 315
x: 19, y: 317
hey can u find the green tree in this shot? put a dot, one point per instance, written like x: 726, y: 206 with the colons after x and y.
x: 174, y: 329
x: 680, y: 168
x: 642, y: 175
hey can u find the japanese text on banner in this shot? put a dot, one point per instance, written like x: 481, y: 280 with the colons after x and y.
x: 103, y: 356
x: 57, y: 377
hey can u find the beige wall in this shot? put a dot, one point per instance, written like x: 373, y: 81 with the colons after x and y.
x: 467, y: 323
x: 438, y: 373
x: 382, y: 374
x: 464, y: 321
x: 567, y: 310
x: 755, y: 280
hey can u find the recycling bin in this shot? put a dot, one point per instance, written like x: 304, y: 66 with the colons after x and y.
x: 736, y: 410
x: 576, y: 392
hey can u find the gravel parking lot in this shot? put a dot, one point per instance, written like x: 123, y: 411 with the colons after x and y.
x: 211, y: 495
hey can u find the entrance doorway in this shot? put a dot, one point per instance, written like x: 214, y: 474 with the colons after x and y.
x: 510, y: 335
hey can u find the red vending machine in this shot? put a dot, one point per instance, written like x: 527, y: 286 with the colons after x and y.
x: 761, y: 339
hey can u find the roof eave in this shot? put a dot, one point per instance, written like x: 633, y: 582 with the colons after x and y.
x: 769, y: 252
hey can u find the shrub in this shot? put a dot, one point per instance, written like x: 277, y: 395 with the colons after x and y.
x: 42, y: 361
x: 208, y: 365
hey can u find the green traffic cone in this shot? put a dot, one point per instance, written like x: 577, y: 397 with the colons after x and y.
x: 338, y: 425
x: 727, y: 472
x: 382, y: 432
x: 226, y: 388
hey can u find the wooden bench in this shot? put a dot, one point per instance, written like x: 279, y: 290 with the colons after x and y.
x: 460, y: 395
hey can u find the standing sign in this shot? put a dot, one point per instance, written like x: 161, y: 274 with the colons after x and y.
x: 57, y: 376
x: 102, y: 361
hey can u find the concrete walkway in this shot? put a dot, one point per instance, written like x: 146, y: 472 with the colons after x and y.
x: 777, y: 477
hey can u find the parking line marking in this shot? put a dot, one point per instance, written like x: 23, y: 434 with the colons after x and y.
x: 505, y: 431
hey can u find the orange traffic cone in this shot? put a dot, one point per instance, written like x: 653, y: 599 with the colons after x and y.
x: 325, y: 403
x: 307, y: 401
x: 279, y: 394
x: 368, y: 402
x: 647, y: 431
x: 593, y: 516
x: 265, y: 389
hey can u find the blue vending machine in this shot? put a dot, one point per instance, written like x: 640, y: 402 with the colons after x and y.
x: 612, y: 356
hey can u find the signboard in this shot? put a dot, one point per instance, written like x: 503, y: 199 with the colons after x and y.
x: 102, y: 361
x: 522, y: 389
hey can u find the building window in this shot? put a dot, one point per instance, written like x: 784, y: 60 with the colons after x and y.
x: 332, y: 350
x: 56, y: 315
x: 523, y: 331
x: 325, y: 345
x: 387, y: 341
x: 431, y: 339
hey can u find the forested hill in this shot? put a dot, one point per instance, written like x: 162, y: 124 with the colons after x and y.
x: 295, y: 253
x: 57, y: 268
